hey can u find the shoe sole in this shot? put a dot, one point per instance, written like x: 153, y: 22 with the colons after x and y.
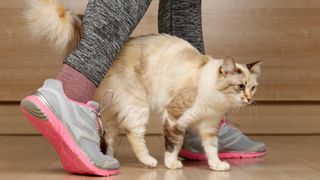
x: 73, y: 159
x: 229, y: 155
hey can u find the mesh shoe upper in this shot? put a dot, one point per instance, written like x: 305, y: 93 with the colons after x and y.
x: 230, y: 138
x: 81, y: 120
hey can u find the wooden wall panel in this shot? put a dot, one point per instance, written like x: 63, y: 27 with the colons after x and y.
x: 280, y: 118
x: 23, y: 63
x: 285, y: 34
x: 260, y: 119
x: 282, y: 33
x: 13, y: 122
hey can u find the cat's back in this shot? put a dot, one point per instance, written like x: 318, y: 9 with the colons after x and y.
x: 158, y: 42
x: 162, y: 54
x: 154, y: 67
x: 157, y: 54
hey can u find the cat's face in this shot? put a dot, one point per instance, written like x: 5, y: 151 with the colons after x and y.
x: 239, y: 81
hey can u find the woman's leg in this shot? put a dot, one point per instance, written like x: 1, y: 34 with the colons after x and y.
x: 107, y: 25
x: 182, y: 18
x: 73, y: 128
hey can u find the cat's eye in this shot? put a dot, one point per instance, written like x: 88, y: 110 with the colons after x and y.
x: 253, y: 88
x: 241, y: 87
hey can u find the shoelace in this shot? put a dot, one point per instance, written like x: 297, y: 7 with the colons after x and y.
x: 228, y: 122
x: 99, y: 123
x: 106, y: 101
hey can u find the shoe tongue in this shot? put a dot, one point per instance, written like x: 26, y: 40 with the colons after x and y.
x: 94, y: 105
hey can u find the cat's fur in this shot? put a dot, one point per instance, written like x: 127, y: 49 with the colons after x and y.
x: 50, y: 20
x: 165, y: 77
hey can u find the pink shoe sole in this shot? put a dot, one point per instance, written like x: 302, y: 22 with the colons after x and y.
x: 231, y: 155
x: 72, y: 157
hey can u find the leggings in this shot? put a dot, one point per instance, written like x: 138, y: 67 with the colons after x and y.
x: 109, y: 23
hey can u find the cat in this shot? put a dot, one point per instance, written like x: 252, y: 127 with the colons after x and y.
x: 164, y: 76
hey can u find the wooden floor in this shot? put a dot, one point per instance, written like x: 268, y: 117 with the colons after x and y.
x: 289, y: 157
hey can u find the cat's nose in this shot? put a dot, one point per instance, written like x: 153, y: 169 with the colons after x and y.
x: 246, y: 100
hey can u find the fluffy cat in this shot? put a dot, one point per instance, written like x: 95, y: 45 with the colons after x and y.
x: 165, y: 77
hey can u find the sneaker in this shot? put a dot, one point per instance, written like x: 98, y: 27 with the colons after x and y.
x: 232, y: 144
x: 71, y: 127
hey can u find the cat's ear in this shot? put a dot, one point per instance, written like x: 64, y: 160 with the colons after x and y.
x: 254, y: 67
x: 228, y: 66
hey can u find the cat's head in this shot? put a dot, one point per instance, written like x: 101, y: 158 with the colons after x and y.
x: 238, y: 81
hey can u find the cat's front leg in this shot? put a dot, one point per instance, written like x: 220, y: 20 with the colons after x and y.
x: 173, y: 138
x: 136, y: 128
x: 110, y: 134
x: 209, y: 135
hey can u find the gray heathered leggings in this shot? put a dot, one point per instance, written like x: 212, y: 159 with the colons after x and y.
x: 108, y: 24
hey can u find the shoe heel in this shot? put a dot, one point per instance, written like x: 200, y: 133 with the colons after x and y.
x: 33, y: 109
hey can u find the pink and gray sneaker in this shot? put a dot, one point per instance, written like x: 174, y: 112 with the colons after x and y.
x: 232, y: 144
x: 71, y: 127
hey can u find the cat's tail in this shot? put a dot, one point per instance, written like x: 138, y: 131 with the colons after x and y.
x: 50, y: 20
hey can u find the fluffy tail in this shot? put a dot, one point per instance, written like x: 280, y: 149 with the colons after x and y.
x: 50, y: 20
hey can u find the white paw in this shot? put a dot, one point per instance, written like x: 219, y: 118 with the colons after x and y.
x: 174, y: 164
x: 149, y: 161
x: 219, y: 165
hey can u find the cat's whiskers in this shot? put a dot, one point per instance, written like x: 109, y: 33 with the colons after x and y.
x: 255, y: 107
x: 250, y: 113
x: 252, y: 105
x: 254, y: 102
x: 237, y: 109
x: 233, y: 111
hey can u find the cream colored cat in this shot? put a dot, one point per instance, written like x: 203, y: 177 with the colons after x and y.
x: 165, y: 77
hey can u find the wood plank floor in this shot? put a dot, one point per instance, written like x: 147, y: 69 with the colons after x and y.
x: 289, y: 157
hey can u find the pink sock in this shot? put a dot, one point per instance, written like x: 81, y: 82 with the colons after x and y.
x: 76, y: 85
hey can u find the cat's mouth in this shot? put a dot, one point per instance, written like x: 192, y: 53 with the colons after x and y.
x: 244, y: 103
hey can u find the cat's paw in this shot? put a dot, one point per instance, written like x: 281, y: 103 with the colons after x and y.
x: 219, y: 165
x: 149, y: 161
x: 176, y: 164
